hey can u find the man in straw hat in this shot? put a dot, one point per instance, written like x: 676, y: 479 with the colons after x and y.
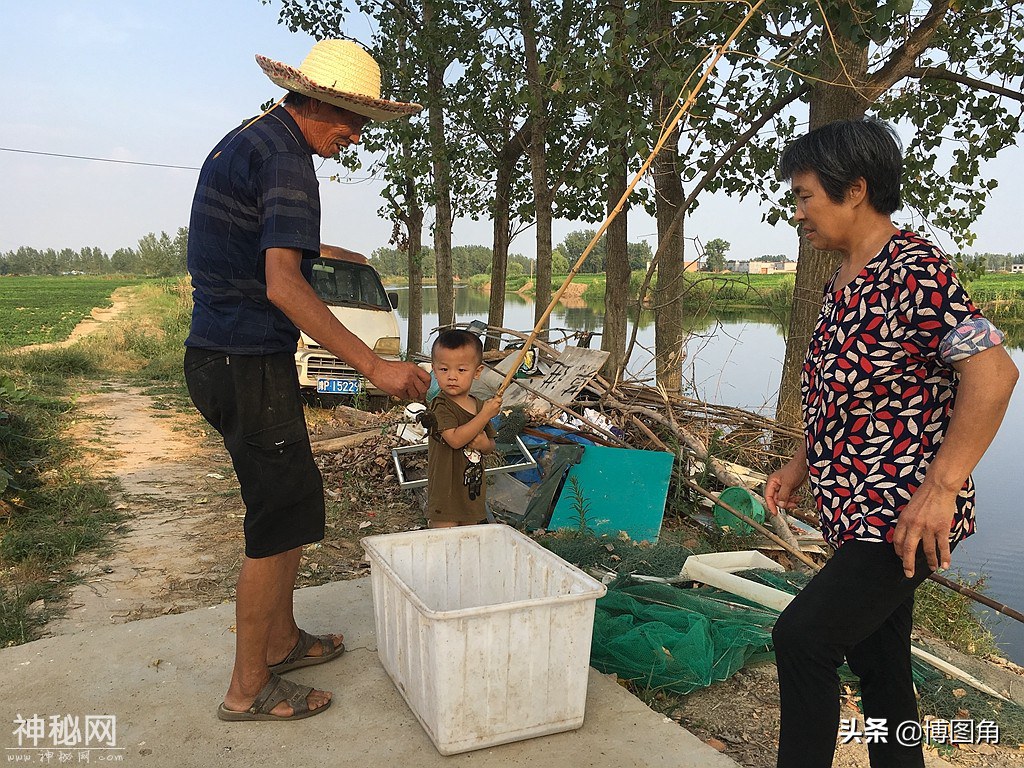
x: 255, y: 224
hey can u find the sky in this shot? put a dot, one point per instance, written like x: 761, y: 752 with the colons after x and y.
x: 163, y: 82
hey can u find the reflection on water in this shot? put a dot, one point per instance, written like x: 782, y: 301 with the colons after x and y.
x: 735, y: 358
x: 715, y: 369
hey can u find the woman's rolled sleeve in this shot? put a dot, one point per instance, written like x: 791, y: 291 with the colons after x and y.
x: 970, y: 337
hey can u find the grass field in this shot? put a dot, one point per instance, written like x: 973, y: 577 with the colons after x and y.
x: 37, y: 309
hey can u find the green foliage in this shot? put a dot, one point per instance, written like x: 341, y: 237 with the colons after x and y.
x: 516, y: 283
x: 466, y: 260
x: 636, y: 283
x: 640, y: 254
x: 163, y: 256
x: 155, y: 256
x: 559, y: 263
x: 58, y: 521
x: 597, y: 65
x: 393, y: 262
x: 739, y: 290
x: 59, y: 364
x: 55, y: 509
x: 161, y: 348
x: 580, y: 507
x: 969, y: 268
x: 17, y: 617
x: 1001, y: 298
x: 11, y: 393
x: 1001, y: 262
x: 573, y: 245
x: 714, y: 253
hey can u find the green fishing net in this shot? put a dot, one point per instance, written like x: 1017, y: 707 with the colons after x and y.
x: 661, y: 637
x: 665, y: 637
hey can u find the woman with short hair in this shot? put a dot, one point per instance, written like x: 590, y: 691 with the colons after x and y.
x: 888, y: 458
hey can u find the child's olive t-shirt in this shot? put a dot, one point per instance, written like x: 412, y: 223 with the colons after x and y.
x: 447, y: 494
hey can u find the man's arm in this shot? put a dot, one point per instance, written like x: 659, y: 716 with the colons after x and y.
x: 288, y: 290
x: 986, y: 382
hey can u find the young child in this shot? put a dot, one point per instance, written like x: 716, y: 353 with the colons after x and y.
x: 460, y: 433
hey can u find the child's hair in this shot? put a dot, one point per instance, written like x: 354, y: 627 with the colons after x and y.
x: 457, y: 339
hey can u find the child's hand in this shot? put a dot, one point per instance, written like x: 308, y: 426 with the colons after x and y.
x: 492, y: 407
x: 480, y: 443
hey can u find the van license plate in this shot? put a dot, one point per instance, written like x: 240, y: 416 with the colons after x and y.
x: 339, y: 386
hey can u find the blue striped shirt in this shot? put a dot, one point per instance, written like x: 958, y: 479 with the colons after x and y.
x: 257, y: 190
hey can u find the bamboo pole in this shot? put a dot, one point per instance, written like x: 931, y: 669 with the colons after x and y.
x: 666, y: 132
x: 975, y: 595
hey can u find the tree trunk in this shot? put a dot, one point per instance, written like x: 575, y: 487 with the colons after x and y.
x: 441, y: 167
x: 669, y: 333
x: 543, y: 198
x: 616, y: 289
x: 499, y: 258
x: 506, y: 165
x: 415, y: 227
x: 832, y: 98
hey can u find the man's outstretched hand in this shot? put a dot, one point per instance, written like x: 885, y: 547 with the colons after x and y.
x: 405, y: 380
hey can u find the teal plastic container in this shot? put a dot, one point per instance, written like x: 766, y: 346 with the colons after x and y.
x: 743, y: 501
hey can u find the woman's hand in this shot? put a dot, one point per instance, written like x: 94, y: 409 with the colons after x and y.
x: 781, y: 486
x: 925, y: 521
x: 986, y: 382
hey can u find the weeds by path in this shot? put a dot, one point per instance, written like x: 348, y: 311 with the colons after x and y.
x: 51, y: 508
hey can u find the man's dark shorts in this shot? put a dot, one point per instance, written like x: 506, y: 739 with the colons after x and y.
x: 253, y: 401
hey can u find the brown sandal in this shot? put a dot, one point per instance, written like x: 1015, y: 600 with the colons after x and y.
x: 274, y: 692
x: 297, y: 657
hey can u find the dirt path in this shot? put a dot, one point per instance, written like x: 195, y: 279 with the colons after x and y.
x: 89, y: 325
x: 181, y: 542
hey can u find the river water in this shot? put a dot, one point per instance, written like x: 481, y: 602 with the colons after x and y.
x: 736, y: 359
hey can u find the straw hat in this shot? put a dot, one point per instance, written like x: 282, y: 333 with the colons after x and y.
x: 341, y: 73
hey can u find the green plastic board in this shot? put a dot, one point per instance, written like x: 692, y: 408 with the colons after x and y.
x: 624, y: 488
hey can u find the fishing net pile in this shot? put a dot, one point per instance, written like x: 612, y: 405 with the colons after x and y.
x: 674, y: 638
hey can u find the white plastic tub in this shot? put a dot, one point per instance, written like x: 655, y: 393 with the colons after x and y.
x: 485, y: 633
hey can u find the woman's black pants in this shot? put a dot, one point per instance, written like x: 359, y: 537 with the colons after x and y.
x: 859, y: 607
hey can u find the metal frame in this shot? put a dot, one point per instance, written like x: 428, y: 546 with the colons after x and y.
x: 528, y: 462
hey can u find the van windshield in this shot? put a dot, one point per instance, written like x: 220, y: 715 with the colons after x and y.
x: 342, y: 282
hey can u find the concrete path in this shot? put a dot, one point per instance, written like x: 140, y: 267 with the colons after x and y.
x: 162, y: 679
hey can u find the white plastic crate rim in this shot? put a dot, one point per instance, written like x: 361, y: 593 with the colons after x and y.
x: 484, y: 632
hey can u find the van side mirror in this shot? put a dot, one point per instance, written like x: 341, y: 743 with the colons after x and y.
x: 393, y: 298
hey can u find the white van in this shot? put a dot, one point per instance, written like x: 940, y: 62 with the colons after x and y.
x: 352, y: 289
